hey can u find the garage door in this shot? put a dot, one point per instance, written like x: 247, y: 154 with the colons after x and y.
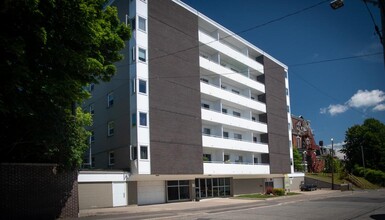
x: 119, y: 194
x: 151, y: 192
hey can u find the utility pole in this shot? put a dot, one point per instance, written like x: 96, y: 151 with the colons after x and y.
x: 332, y: 154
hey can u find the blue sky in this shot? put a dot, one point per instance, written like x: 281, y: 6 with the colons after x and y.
x: 333, y: 95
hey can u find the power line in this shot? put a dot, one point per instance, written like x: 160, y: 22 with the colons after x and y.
x: 374, y: 23
x: 235, y: 33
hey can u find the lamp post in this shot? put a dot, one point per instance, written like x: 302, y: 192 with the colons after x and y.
x: 332, y: 161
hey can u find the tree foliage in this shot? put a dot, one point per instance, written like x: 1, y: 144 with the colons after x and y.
x: 297, y: 160
x: 370, y: 136
x: 50, y: 51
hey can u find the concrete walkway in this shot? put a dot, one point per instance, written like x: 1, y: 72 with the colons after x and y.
x: 212, y: 203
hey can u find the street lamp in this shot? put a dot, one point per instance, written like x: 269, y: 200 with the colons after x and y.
x: 332, y: 153
x: 336, y: 4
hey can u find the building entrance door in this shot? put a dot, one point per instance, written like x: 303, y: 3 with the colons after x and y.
x: 213, y: 187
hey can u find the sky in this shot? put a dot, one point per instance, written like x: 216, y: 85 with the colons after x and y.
x: 332, y: 81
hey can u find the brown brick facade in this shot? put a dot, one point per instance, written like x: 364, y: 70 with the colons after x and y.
x: 37, y: 191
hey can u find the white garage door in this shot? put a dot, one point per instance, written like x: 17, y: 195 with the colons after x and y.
x: 278, y: 183
x: 119, y: 194
x: 151, y: 192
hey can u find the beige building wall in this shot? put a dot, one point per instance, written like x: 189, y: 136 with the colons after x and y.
x: 295, y: 183
x: 246, y: 186
x: 95, y: 195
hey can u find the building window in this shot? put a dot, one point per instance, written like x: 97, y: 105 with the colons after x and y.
x: 92, y: 162
x: 111, y: 158
x: 143, y: 152
x: 252, y: 118
x: 205, y: 80
x: 92, y: 137
x: 235, y: 91
x: 206, y: 106
x: 237, y: 136
x: 143, y: 119
x: 142, y: 55
x: 255, y: 160
x: 133, y: 86
x: 133, y: 23
x: 91, y: 87
x: 225, y: 134
x: 110, y: 128
x: 178, y: 190
x: 110, y: 99
x: 288, y: 108
x: 255, y: 139
x: 92, y: 108
x: 142, y: 86
x: 240, y: 159
x: 224, y: 111
x: 206, y: 157
x: 133, y: 53
x: 134, y: 153
x: 287, y: 91
x: 237, y: 114
x: 133, y: 120
x: 226, y: 158
x: 207, y: 131
x: 142, y: 24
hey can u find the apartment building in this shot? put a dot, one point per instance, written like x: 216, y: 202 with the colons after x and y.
x: 193, y: 111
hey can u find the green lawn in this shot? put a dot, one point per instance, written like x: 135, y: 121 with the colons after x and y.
x: 263, y: 196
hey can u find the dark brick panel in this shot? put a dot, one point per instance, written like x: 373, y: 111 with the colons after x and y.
x: 276, y: 106
x: 174, y: 88
x: 37, y: 191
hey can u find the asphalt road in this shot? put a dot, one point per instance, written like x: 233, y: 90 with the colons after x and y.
x: 335, y: 206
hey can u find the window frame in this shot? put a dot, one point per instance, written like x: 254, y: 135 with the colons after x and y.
x: 111, y: 159
x: 110, y: 99
x: 140, y: 18
x: 110, y: 129
x: 140, y: 119
x: 141, y: 59
x: 146, y: 152
x: 145, y: 86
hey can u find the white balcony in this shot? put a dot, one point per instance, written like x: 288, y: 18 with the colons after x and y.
x: 231, y: 144
x: 217, y: 117
x: 225, y: 72
x: 223, y: 48
x: 232, y: 97
x: 234, y: 169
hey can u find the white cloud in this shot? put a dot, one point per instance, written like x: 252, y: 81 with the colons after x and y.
x: 364, y: 99
x: 374, y: 47
x: 334, y: 109
x: 380, y: 107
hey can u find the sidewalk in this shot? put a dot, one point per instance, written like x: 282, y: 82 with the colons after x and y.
x: 202, y: 204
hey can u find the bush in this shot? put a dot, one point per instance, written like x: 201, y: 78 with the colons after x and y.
x: 278, y: 191
x: 373, y: 176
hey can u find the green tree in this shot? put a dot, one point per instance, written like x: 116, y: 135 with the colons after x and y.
x: 297, y: 160
x: 50, y: 51
x: 370, y: 137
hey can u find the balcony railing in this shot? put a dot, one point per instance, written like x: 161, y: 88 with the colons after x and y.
x: 233, y: 162
x: 243, y: 73
x: 231, y: 138
x: 248, y: 119
x: 242, y: 95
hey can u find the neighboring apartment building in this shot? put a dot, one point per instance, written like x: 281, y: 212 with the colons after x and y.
x: 194, y: 109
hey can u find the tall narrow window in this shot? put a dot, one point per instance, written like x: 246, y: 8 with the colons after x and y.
x: 92, y: 137
x: 142, y: 55
x: 110, y: 99
x: 142, y: 24
x: 143, y: 119
x: 111, y: 158
x: 133, y: 120
x: 142, y: 86
x: 143, y: 152
x: 225, y: 134
x: 133, y: 53
x: 92, y: 108
x: 110, y: 128
x: 134, y: 153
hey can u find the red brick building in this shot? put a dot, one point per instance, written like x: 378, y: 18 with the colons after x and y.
x: 303, y: 139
